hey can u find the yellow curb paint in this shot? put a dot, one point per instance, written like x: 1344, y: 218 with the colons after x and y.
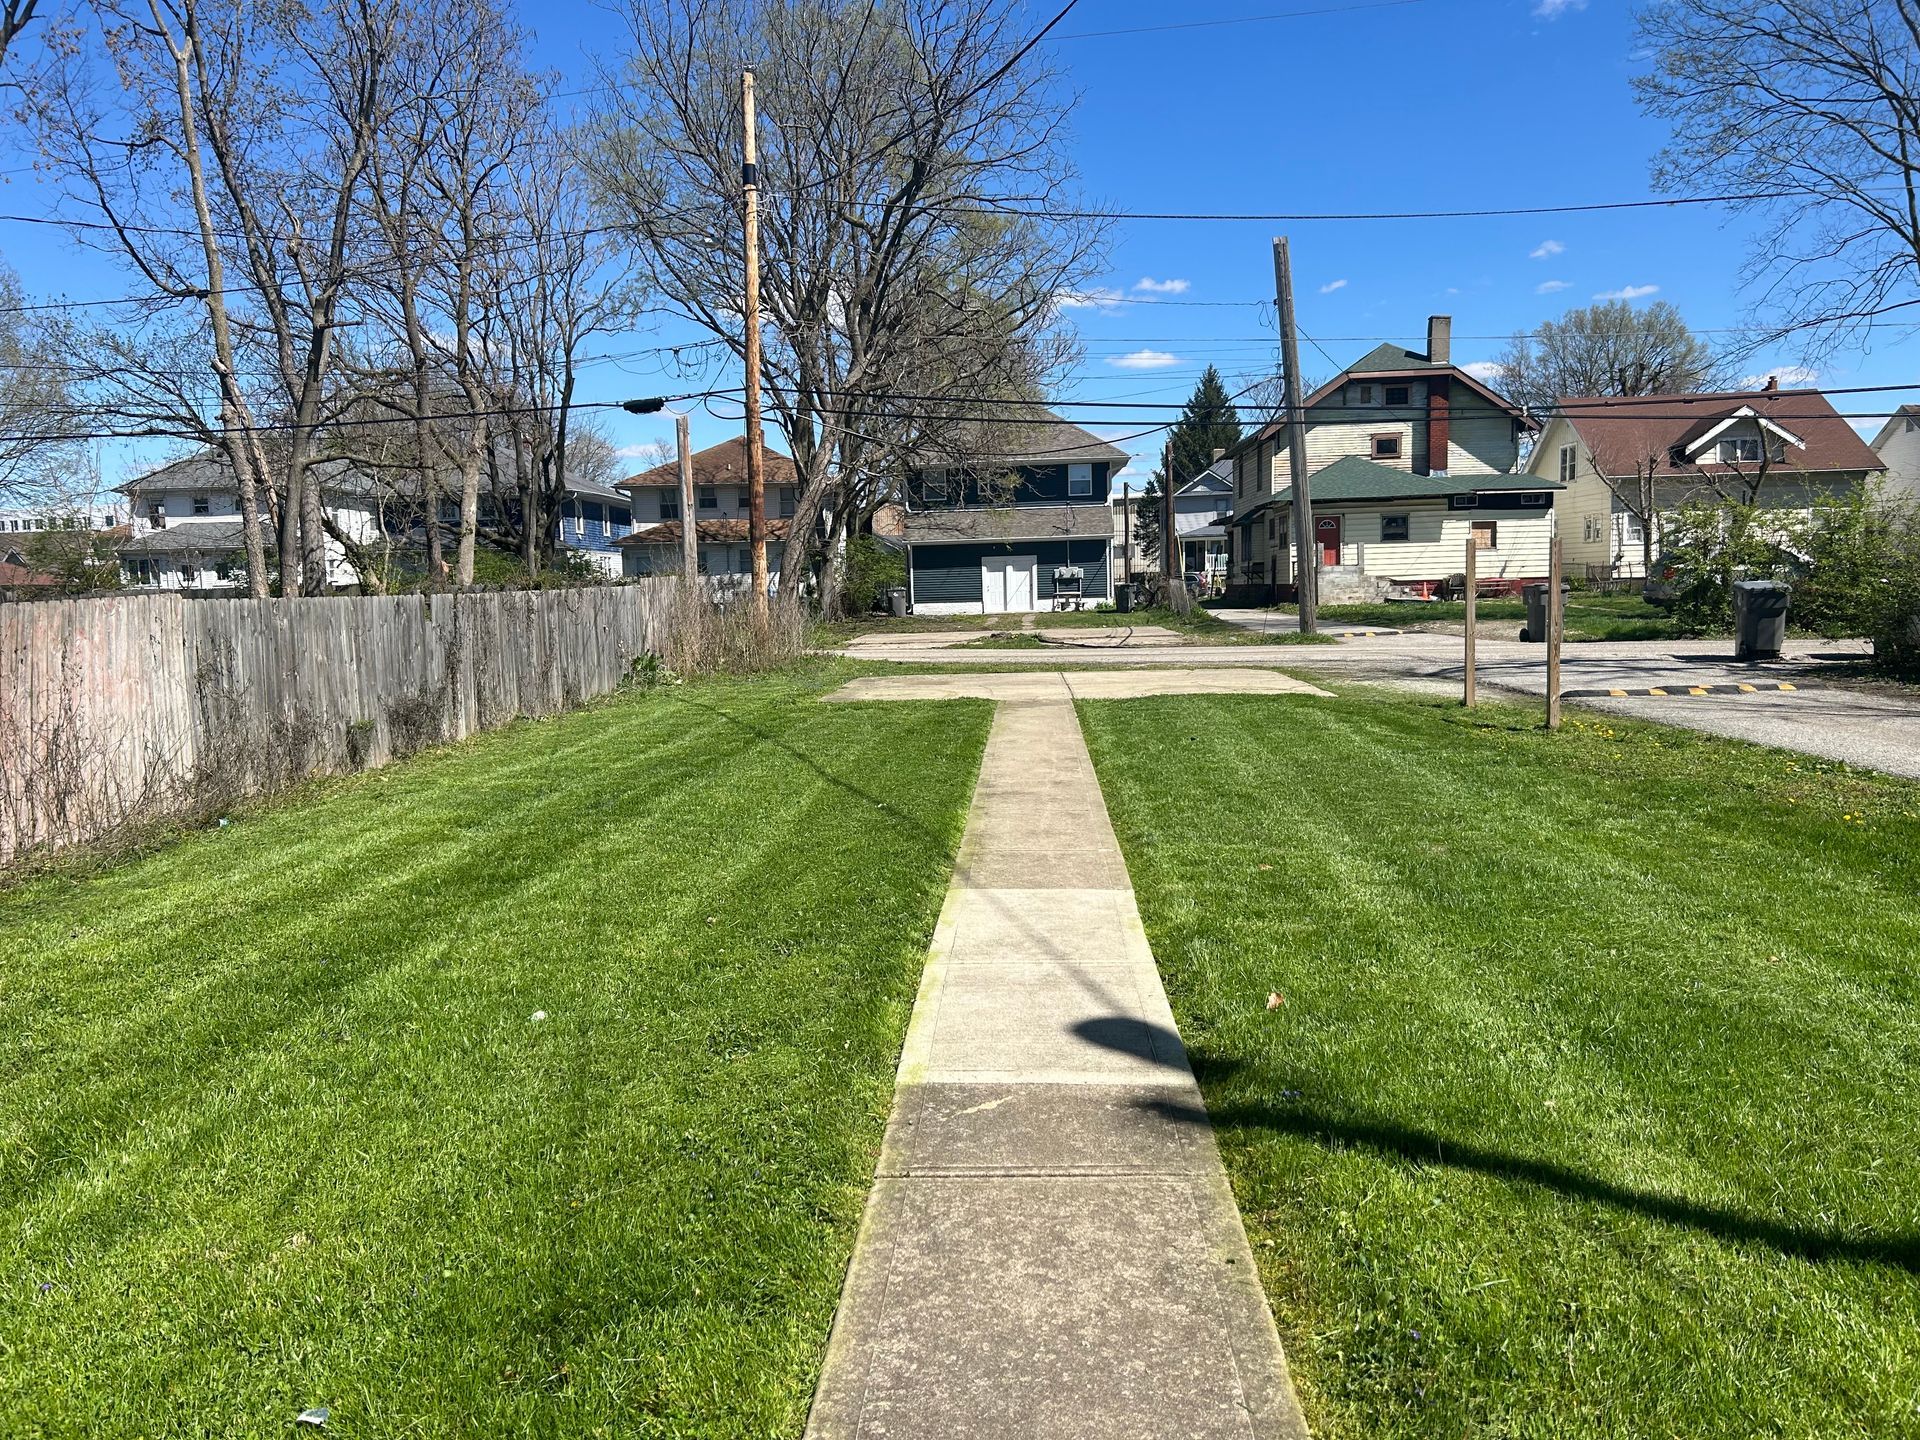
x: 1696, y: 690
x: 1747, y: 690
x: 1785, y: 686
x: 1617, y: 692
x: 1656, y: 691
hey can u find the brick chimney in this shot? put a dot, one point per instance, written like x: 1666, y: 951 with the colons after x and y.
x: 1440, y: 339
x: 1773, y: 383
x: 1439, y: 416
x: 1218, y: 451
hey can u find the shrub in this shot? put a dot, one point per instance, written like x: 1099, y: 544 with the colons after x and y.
x: 871, y: 570
x: 1707, y: 546
x: 1854, y: 552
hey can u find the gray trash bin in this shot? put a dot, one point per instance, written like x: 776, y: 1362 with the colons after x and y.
x: 1536, y: 597
x: 1760, y: 618
x: 1123, y: 598
x: 897, y: 600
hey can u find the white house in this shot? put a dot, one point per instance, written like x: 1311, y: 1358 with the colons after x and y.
x: 1898, y: 446
x: 1409, y: 459
x: 1626, y: 460
x: 186, y: 531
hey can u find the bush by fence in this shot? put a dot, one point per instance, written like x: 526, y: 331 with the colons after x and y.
x: 146, y: 706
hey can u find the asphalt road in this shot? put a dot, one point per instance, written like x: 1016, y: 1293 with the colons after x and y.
x: 1880, y: 732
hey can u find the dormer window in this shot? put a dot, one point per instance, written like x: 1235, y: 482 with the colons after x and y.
x: 1363, y: 394
x: 1079, y: 481
x: 1737, y: 448
x: 202, y: 505
x: 1397, y: 394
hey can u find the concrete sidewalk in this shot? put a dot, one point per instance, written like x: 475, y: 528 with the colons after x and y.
x: 1050, y: 1249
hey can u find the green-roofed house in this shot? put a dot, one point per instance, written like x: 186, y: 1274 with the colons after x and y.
x: 1409, y: 458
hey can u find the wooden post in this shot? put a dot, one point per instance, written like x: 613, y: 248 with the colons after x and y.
x: 1556, y: 620
x: 1126, y: 532
x: 1473, y: 595
x: 1166, y: 518
x: 1307, y: 570
x: 689, y: 536
x: 756, y: 459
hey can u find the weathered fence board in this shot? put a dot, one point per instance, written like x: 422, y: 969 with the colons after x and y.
x: 137, y: 705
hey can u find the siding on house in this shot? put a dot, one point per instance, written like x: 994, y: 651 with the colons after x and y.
x: 949, y: 575
x: 1436, y: 541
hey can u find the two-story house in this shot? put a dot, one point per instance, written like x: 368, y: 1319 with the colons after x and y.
x: 720, y: 514
x: 1898, y: 446
x: 1627, y: 460
x: 1409, y: 458
x: 1012, y: 515
x: 1200, y: 511
x: 185, y: 528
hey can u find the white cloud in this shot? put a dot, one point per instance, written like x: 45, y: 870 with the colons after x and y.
x: 1546, y: 250
x: 1143, y: 360
x: 1550, y: 287
x: 1629, y: 292
x: 1485, y: 371
x: 1333, y: 285
x: 1101, y: 297
x: 1554, y: 9
x: 648, y: 451
x: 1787, y: 376
x: 1161, y: 287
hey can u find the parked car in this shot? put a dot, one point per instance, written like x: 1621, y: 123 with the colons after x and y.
x: 1196, y: 583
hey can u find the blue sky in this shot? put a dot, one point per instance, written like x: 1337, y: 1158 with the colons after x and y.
x: 1418, y: 105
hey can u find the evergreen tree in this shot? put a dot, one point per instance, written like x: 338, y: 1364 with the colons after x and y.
x: 1209, y: 423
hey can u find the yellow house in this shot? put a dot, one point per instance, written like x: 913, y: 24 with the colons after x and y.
x: 1626, y: 460
x: 1409, y: 457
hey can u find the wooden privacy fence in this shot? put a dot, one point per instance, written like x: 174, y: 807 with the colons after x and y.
x: 147, y: 705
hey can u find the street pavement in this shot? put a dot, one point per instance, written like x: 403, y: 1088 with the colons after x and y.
x: 1819, y: 716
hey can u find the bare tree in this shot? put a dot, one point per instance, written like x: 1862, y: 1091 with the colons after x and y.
x: 1613, y: 348
x: 15, y: 16
x: 907, y: 154
x: 130, y: 148
x: 37, y: 400
x: 1810, y: 106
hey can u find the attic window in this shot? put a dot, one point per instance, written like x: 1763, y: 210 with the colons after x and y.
x: 1533, y: 499
x: 1386, y: 447
x: 1569, y: 463
x: 1079, y: 480
x: 1397, y: 394
x: 1363, y: 394
x: 1736, y: 448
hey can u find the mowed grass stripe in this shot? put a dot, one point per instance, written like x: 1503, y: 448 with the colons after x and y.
x: 337, y: 1162
x: 1584, y: 1113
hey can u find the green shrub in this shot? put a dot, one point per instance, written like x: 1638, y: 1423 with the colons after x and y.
x: 872, y: 569
x: 1854, y: 551
x: 1709, y: 545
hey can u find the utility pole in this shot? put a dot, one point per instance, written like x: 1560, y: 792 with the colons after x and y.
x: 1166, y: 517
x: 1126, y: 532
x: 1308, y: 566
x: 1556, y: 624
x: 689, y: 535
x: 756, y: 457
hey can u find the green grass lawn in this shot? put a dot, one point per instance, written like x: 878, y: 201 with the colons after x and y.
x: 281, y: 1123
x: 1590, y: 1105
x: 1590, y: 615
x: 1197, y: 625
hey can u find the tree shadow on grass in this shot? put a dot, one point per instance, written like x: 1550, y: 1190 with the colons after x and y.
x: 1423, y: 1147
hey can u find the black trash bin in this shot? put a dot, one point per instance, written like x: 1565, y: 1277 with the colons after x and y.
x: 1123, y: 598
x: 1536, y: 597
x: 897, y: 600
x: 1760, y: 618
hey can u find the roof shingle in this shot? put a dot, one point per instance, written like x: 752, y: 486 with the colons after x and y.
x: 1624, y: 432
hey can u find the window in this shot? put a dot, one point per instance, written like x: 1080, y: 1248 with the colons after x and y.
x: 1396, y: 394
x: 1272, y: 533
x: 1363, y: 394
x: 189, y: 573
x: 933, y: 485
x: 709, y: 498
x: 1591, y: 530
x: 1736, y: 448
x: 202, y: 505
x: 669, y: 504
x: 1393, y: 527
x: 786, y: 502
x: 1569, y: 462
x: 1386, y: 447
x: 1486, y: 535
x: 1079, y: 480
x: 223, y: 571
x: 1534, y: 501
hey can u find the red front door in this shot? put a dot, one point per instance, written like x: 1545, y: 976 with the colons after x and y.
x: 1327, y: 529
